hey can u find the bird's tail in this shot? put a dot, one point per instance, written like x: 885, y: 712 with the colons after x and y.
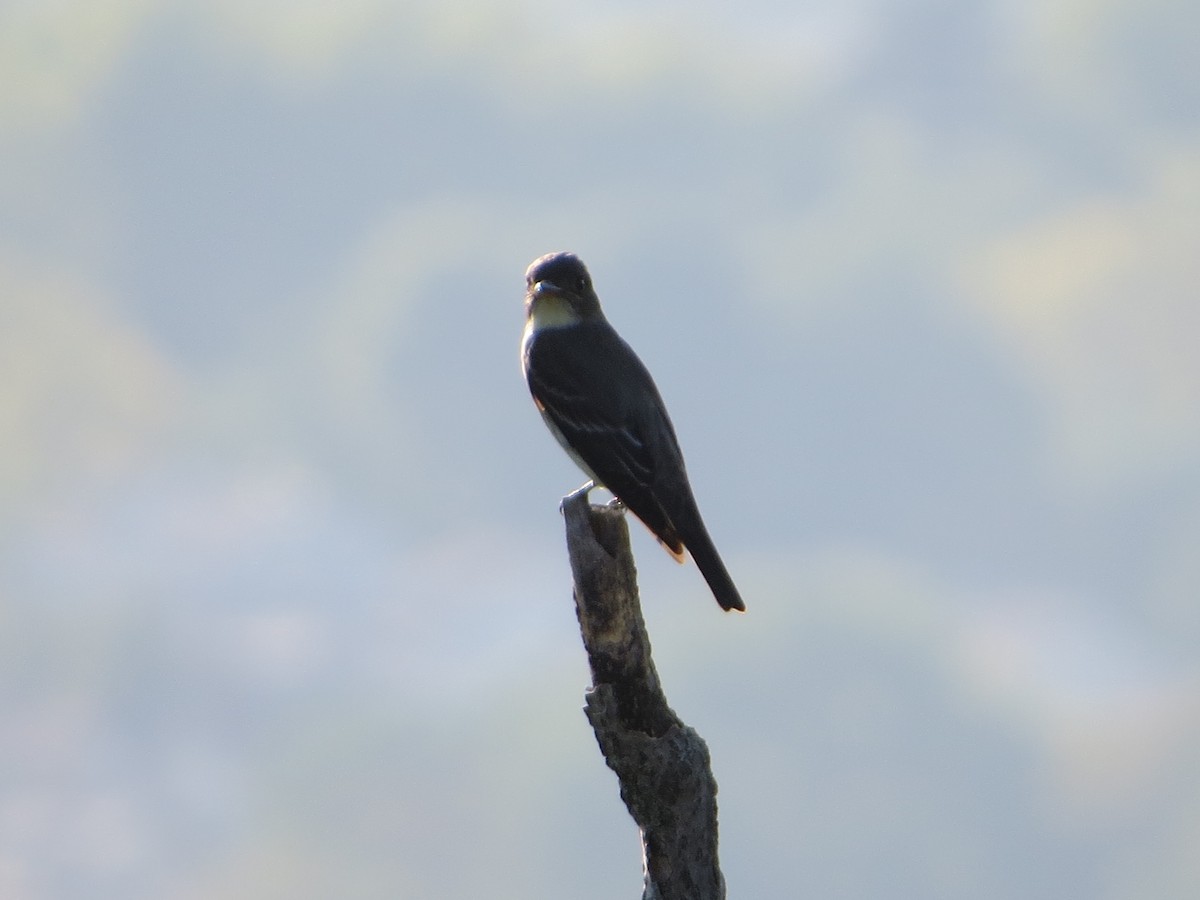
x: 708, y: 561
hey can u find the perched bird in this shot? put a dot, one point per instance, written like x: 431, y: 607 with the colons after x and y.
x: 601, y: 404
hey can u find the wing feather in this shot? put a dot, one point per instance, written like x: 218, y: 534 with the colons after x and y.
x: 625, y: 444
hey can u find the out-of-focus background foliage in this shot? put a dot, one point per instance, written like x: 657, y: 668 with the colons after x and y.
x: 284, y: 605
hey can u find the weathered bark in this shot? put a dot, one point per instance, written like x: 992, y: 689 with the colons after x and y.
x: 662, y: 764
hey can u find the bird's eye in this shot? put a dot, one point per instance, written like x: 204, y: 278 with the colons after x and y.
x: 581, y: 283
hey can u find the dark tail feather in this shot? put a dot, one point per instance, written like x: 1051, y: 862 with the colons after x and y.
x: 707, y: 559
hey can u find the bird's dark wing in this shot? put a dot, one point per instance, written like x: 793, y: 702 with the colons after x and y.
x: 597, y: 401
x: 625, y: 444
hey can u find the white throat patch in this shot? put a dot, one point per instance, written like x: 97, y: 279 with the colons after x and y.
x: 550, y: 311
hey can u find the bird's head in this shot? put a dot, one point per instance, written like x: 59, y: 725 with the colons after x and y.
x: 559, y: 292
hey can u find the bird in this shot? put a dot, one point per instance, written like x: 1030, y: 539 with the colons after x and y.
x: 600, y: 403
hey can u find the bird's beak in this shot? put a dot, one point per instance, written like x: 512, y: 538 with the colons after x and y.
x: 534, y: 293
x: 541, y: 290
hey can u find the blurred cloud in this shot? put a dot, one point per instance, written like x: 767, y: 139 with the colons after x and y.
x: 1096, y: 300
x: 56, y: 55
x: 1110, y: 714
x: 85, y: 398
